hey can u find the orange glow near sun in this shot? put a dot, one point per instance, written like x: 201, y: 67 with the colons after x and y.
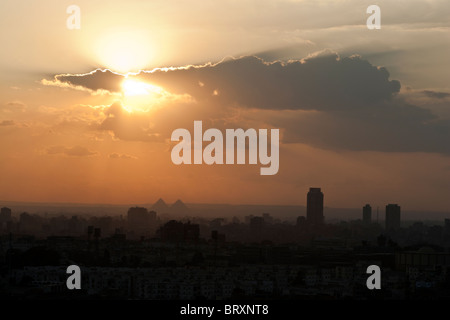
x: 124, y: 50
x: 134, y: 88
x: 140, y: 96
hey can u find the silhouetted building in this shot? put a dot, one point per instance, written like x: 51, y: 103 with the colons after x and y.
x: 141, y: 221
x: 90, y: 232
x: 367, y: 214
x: 118, y: 236
x: 256, y: 223
x: 248, y: 218
x: 172, y: 231
x: 178, y: 231
x: 191, y: 231
x: 392, y: 217
x: 216, y: 223
x: 268, y: 219
x: 422, y: 259
x: 447, y: 223
x: 301, y: 221
x: 74, y: 226
x: 314, y: 207
x: 105, y: 223
x: 217, y: 237
x: 5, y: 214
x: 447, y: 226
x: 97, y: 233
x: 29, y: 223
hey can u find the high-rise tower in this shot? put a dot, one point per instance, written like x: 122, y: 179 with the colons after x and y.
x: 392, y: 217
x: 314, y: 207
x: 367, y: 214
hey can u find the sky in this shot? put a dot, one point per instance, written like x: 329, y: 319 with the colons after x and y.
x: 86, y: 115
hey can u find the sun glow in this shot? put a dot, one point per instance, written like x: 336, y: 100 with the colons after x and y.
x: 134, y: 88
x: 140, y: 96
x: 124, y: 50
x: 138, y: 88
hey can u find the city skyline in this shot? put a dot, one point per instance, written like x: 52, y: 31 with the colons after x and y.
x: 141, y: 220
x: 149, y: 256
x: 313, y: 215
x: 313, y: 209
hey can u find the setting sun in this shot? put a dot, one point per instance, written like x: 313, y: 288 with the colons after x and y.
x: 140, y: 96
x: 134, y: 88
x: 138, y: 88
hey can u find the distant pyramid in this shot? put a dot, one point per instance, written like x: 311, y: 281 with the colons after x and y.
x: 160, y: 206
x: 179, y: 207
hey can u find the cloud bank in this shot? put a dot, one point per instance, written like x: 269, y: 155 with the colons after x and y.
x: 323, y: 100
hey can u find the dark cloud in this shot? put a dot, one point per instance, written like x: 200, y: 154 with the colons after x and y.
x: 328, y: 131
x: 332, y: 102
x: 323, y: 82
x: 115, y: 155
x: 76, y: 151
x: 95, y: 80
x: 436, y: 94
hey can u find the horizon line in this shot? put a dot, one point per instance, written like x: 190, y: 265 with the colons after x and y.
x: 187, y: 203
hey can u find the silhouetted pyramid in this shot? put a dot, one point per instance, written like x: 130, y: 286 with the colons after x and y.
x: 179, y: 207
x: 160, y: 206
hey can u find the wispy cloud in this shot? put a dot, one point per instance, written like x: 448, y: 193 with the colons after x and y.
x: 436, y: 94
x: 6, y: 123
x: 125, y: 156
x: 96, y: 81
x: 76, y: 151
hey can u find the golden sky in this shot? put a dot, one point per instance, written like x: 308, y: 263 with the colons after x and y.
x: 86, y: 115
